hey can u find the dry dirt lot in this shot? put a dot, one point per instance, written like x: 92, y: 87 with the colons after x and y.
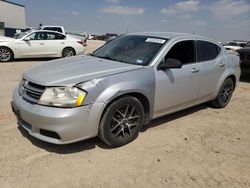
x: 198, y: 147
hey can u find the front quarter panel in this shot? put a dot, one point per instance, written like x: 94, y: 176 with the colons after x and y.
x: 102, y: 91
x: 13, y: 45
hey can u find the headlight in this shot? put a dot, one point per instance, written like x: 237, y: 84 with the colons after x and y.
x: 62, y: 97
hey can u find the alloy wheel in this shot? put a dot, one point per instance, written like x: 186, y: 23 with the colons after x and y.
x: 124, y: 122
x: 68, y: 53
x: 5, y: 54
x: 227, y: 92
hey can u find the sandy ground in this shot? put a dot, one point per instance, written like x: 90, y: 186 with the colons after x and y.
x: 198, y: 147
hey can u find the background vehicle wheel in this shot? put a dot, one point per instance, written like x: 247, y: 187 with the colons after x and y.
x: 68, y: 52
x: 5, y: 54
x: 224, y: 95
x: 121, y: 122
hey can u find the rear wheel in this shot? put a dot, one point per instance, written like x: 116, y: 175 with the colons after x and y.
x: 224, y: 95
x: 68, y: 52
x: 5, y: 54
x: 121, y: 122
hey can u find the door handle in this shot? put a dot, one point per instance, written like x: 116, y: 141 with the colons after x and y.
x: 62, y: 42
x: 41, y: 43
x: 194, y: 70
x: 222, y: 64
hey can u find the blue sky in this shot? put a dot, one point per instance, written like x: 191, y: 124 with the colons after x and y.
x: 221, y: 19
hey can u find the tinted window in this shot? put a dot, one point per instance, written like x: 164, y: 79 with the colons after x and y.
x: 183, y: 51
x: 54, y: 36
x: 37, y: 36
x: 207, y: 51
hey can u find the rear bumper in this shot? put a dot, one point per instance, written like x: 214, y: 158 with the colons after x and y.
x: 54, y: 125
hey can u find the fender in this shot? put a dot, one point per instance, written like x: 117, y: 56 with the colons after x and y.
x: 111, y: 87
x: 8, y: 48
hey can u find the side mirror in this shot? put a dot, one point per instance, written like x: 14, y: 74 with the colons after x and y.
x: 26, y: 39
x: 170, y: 64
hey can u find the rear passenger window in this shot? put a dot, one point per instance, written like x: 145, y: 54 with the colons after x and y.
x: 207, y: 51
x: 54, y: 36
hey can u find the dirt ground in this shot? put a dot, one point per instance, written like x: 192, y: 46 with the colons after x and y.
x: 198, y: 147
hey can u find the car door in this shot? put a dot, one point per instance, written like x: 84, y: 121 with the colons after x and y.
x: 32, y: 45
x: 55, y: 42
x: 212, y: 65
x: 176, y: 88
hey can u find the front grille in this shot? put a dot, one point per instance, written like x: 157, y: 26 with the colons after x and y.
x: 31, y: 91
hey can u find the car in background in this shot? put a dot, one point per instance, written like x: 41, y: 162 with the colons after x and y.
x: 124, y: 84
x: 110, y: 39
x: 245, y: 59
x: 59, y: 29
x: 234, y: 45
x: 40, y: 44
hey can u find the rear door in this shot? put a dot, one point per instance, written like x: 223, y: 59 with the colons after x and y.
x: 212, y: 65
x: 55, y: 42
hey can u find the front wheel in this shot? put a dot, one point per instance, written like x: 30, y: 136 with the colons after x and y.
x: 225, y: 94
x: 6, y: 54
x: 121, y: 122
x: 68, y: 52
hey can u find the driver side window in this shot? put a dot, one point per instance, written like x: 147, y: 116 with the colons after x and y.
x: 183, y: 51
x: 37, y: 36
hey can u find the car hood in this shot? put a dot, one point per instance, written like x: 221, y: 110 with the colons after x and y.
x: 73, y: 70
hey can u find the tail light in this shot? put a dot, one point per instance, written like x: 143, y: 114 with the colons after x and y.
x: 83, y: 42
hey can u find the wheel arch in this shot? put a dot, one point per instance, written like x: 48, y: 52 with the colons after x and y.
x: 223, y: 78
x: 233, y: 77
x: 70, y: 48
x: 141, y: 97
x: 12, y: 51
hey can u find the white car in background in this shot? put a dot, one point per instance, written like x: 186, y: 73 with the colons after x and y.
x: 40, y: 44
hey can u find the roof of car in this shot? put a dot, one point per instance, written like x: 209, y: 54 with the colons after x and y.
x: 166, y: 35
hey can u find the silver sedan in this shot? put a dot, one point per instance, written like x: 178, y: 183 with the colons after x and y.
x: 120, y: 87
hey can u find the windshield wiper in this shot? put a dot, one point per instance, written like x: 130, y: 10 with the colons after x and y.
x: 91, y: 54
x: 108, y: 58
x: 103, y: 57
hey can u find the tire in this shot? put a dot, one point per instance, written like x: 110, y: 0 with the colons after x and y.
x: 121, y: 122
x: 6, y: 54
x: 224, y: 95
x: 68, y: 52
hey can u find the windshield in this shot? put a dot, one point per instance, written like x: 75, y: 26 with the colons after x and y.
x: 131, y: 49
x: 22, y: 34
